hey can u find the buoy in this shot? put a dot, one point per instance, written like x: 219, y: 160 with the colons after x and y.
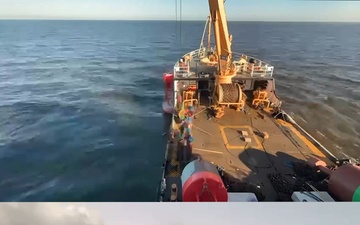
x: 168, y: 103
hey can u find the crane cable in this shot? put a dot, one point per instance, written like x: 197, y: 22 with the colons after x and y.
x: 178, y: 19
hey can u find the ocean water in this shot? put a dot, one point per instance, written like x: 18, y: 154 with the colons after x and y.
x: 80, y: 101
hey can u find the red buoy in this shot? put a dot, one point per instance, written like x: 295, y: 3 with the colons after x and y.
x: 168, y: 103
x: 168, y: 78
x: 201, y: 182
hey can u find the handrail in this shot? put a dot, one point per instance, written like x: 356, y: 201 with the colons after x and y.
x: 181, y: 71
x: 203, y: 35
x: 248, y: 56
x: 258, y: 68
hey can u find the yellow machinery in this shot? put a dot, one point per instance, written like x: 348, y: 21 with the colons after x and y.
x: 226, y: 92
x: 260, y: 98
x: 188, y: 99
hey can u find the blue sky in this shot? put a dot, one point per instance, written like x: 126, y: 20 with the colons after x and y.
x: 253, y: 10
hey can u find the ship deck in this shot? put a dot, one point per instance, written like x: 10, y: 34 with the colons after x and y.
x: 251, y: 160
x: 221, y: 142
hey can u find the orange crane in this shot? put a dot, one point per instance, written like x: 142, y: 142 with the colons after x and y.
x: 226, y: 92
x: 226, y: 69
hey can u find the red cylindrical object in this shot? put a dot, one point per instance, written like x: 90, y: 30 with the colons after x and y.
x: 344, y: 182
x: 168, y: 77
x: 202, y: 183
x: 168, y: 104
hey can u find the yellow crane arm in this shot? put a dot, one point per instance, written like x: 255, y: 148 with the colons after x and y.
x: 221, y: 33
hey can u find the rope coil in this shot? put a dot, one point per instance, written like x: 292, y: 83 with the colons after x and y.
x: 229, y: 93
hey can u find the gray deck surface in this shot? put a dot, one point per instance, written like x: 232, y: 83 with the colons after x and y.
x: 219, y: 141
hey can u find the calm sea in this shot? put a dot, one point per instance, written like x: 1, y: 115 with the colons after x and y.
x: 80, y: 101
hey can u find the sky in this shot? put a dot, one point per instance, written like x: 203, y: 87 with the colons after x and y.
x: 177, y: 214
x: 248, y: 10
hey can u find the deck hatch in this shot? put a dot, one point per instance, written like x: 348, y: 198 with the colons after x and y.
x: 232, y: 137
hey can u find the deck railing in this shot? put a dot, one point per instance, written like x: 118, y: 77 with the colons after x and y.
x: 250, y: 67
x: 258, y: 68
x: 181, y: 71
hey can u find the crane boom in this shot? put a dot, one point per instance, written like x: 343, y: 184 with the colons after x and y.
x: 222, y: 37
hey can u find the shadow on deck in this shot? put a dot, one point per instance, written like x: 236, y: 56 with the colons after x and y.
x: 271, y: 182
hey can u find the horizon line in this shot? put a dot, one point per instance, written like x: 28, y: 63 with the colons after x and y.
x: 172, y: 20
